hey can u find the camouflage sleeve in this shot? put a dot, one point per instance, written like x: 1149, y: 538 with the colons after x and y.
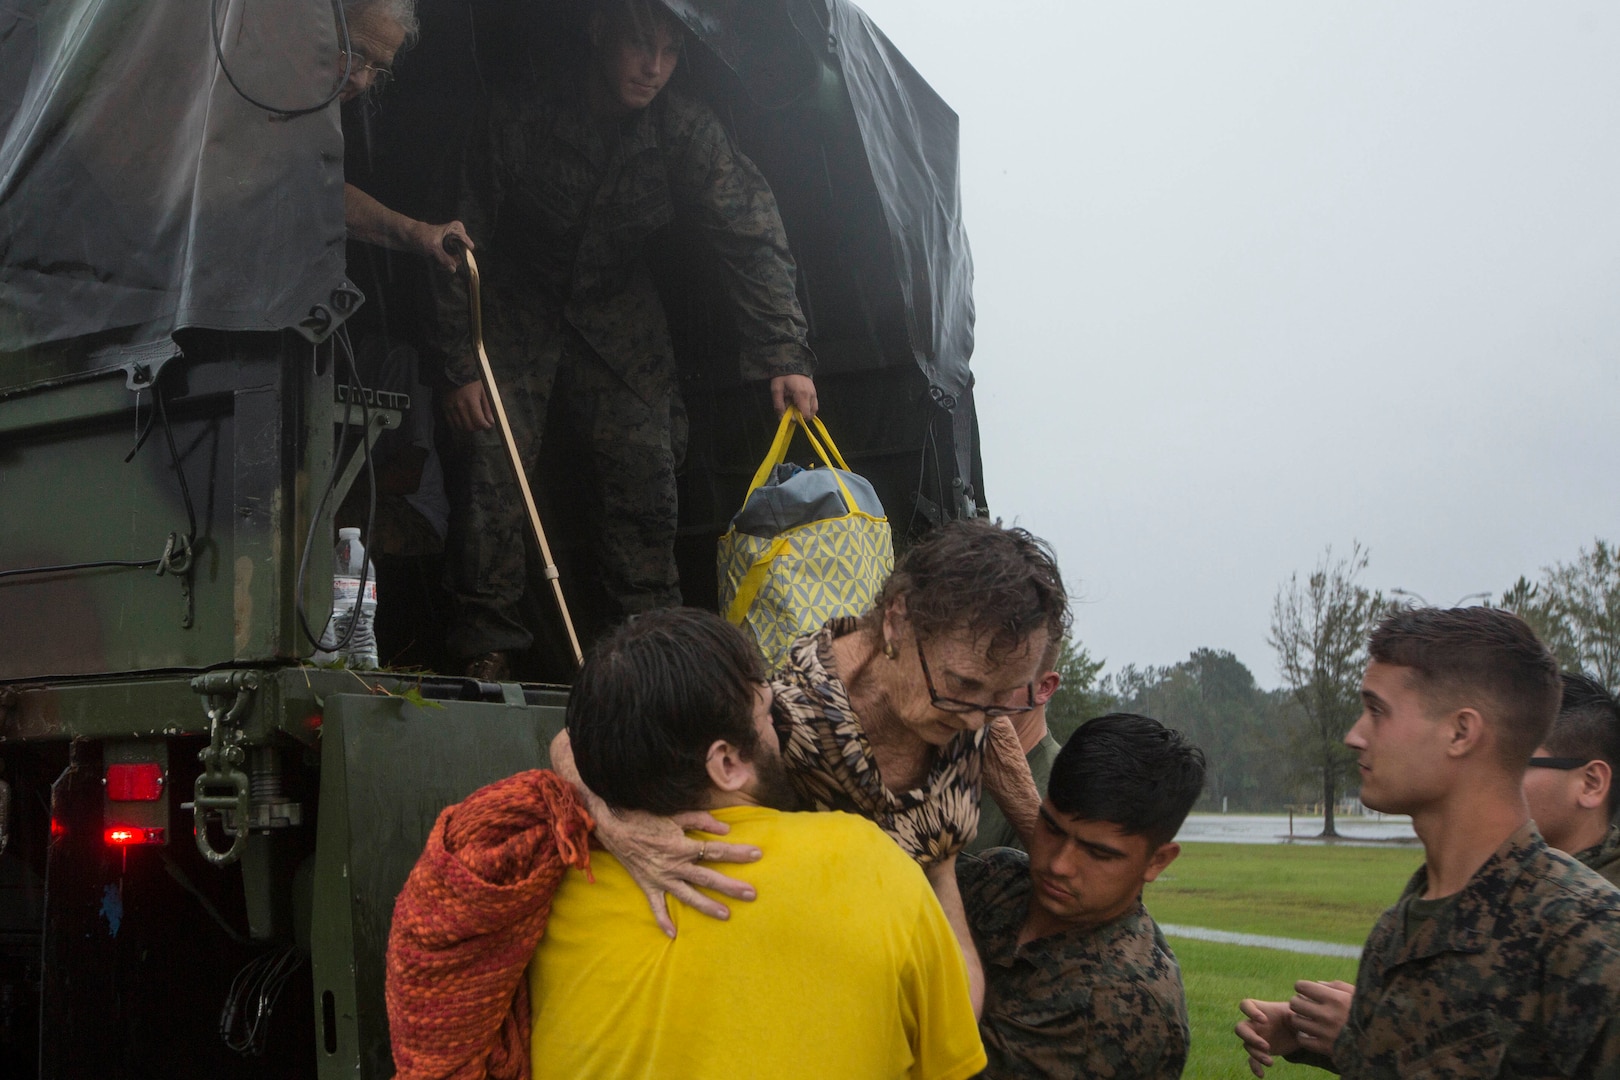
x: 1582, y: 996
x: 972, y: 875
x: 449, y: 337
x: 737, y: 213
x: 1121, y: 1031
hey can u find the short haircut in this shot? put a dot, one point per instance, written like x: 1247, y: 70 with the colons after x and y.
x: 1130, y: 771
x: 1000, y: 584
x: 650, y: 700
x: 1479, y: 657
x: 1588, y: 727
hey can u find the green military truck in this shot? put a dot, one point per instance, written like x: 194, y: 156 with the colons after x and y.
x: 201, y: 833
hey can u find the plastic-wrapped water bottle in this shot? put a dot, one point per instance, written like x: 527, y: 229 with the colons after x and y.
x: 349, y: 605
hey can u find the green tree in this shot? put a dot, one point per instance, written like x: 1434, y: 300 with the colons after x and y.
x: 1319, y: 630
x: 1212, y: 698
x: 1082, y: 695
x: 1575, y: 609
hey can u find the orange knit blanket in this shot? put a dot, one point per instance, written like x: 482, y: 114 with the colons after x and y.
x: 467, y: 923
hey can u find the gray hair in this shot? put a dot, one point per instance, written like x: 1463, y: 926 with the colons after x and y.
x: 402, y: 12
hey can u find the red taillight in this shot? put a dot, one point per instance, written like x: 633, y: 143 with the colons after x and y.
x: 135, y: 783
x: 58, y: 831
x: 125, y: 835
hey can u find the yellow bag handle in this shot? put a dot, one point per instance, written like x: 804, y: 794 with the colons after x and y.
x: 779, y: 447
x: 753, y: 581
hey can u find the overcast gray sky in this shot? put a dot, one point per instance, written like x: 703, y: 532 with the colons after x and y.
x: 1253, y: 278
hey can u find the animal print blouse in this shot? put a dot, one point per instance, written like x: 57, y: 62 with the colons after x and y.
x: 832, y: 767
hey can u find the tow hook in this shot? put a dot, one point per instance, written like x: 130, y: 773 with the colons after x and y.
x: 222, y: 792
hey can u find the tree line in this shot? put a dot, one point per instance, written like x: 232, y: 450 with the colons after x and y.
x: 1268, y: 749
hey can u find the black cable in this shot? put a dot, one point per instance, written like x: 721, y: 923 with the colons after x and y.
x: 315, y: 521
x: 284, y: 114
x: 160, y: 411
x: 179, y: 469
x: 244, y: 1020
x: 355, y: 387
x: 140, y: 438
x: 66, y: 567
x: 357, y: 391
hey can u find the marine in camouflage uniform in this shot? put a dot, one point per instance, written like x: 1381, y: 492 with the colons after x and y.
x: 561, y: 205
x: 1099, y: 1002
x: 1605, y: 857
x: 1516, y: 975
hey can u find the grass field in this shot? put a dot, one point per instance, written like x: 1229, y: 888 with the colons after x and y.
x: 1319, y: 893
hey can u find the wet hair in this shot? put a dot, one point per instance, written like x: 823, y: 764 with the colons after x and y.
x: 1130, y: 771
x: 402, y: 12
x: 1588, y: 727
x: 650, y: 700
x: 1479, y: 657
x: 1000, y: 584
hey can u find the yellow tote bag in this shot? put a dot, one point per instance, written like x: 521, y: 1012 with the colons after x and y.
x: 807, y: 546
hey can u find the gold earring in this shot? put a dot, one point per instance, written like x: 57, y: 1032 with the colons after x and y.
x: 889, y: 650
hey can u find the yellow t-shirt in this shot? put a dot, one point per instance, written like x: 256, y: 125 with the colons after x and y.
x: 843, y: 967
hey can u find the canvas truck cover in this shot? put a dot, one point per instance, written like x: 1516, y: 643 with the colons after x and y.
x: 141, y: 192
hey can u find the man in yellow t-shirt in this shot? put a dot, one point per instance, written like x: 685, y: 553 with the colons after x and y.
x: 845, y: 965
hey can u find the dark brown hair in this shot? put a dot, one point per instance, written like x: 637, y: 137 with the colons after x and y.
x: 1588, y: 726
x: 1130, y: 771
x: 652, y: 698
x: 1479, y: 657
x: 1000, y: 584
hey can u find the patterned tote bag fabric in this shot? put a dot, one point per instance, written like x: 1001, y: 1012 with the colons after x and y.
x: 808, y: 545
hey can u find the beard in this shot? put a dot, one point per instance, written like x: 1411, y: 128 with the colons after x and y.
x: 772, y: 785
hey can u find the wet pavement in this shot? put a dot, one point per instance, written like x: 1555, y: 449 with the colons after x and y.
x: 1354, y: 831
x: 1264, y: 941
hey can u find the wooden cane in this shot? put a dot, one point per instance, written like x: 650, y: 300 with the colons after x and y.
x: 456, y: 248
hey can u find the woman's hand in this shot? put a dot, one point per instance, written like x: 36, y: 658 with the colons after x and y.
x: 665, y: 862
x: 659, y: 855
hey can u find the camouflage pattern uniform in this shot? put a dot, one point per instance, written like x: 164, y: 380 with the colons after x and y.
x: 1516, y: 975
x: 1105, y: 1002
x: 1605, y: 857
x: 561, y: 205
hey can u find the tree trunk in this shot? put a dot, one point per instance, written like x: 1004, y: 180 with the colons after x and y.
x: 1328, y: 794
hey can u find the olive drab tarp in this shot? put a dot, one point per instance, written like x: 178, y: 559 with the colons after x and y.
x: 909, y: 135
x: 140, y: 193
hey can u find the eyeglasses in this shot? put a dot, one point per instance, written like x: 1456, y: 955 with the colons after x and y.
x: 359, y: 64
x: 952, y: 705
x: 1562, y: 764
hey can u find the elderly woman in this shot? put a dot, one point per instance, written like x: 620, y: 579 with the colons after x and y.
x: 899, y: 716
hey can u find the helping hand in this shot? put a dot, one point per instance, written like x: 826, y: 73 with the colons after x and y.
x: 797, y: 390
x: 663, y: 859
